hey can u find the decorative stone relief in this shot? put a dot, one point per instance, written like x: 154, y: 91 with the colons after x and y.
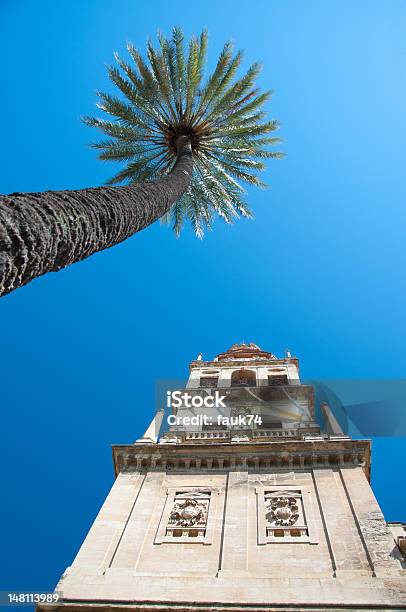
x: 187, y: 516
x: 284, y: 515
x: 284, y: 510
x: 189, y: 511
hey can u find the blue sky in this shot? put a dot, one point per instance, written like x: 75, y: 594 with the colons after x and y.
x: 320, y: 270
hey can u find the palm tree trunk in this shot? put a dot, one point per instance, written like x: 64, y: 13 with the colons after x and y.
x: 45, y: 232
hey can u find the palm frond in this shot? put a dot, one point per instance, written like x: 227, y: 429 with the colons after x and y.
x: 164, y: 96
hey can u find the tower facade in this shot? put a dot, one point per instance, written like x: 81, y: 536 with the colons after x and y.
x: 236, y: 498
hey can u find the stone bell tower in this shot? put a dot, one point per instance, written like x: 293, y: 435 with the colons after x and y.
x: 237, y: 499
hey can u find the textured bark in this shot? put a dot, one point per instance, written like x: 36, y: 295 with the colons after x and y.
x: 45, y: 232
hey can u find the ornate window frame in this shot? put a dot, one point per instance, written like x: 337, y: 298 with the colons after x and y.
x: 207, y: 493
x: 306, y: 527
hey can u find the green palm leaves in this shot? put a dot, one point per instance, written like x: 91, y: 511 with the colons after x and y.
x: 165, y: 97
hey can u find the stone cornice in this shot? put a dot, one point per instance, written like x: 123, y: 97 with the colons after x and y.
x: 243, y: 362
x: 251, y: 456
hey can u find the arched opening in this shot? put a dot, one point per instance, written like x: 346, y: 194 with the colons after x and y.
x: 243, y: 378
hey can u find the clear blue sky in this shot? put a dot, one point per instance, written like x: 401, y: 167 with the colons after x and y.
x: 320, y: 270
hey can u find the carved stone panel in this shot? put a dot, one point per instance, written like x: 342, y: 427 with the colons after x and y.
x: 187, y: 516
x: 284, y: 515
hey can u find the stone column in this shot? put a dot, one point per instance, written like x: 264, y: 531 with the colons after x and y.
x: 293, y: 375
x: 234, y: 553
x: 194, y: 379
x: 346, y: 550
x: 138, y: 522
x: 100, y: 545
x: 151, y: 434
x: 262, y: 376
x: 331, y: 423
x: 376, y: 535
x: 225, y: 377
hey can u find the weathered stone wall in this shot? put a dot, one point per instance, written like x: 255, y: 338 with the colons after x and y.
x: 350, y: 558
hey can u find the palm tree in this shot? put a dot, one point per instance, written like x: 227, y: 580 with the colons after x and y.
x: 186, y: 147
